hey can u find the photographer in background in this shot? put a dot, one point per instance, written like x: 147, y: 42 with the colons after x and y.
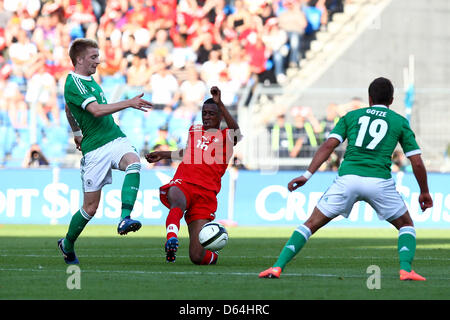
x: 35, y: 158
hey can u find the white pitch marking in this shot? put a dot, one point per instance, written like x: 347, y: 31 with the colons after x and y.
x: 190, y: 273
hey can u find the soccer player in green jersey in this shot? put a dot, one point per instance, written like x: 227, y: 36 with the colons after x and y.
x: 365, y: 175
x: 103, y: 145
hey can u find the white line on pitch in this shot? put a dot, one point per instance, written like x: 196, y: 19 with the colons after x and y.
x: 185, y: 273
x: 319, y: 275
x: 227, y: 256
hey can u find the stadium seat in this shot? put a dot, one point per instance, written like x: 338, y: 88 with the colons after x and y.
x: 178, y: 128
x: 154, y: 120
x: 110, y: 84
x: 7, y: 138
x: 313, y: 16
x: 4, y: 118
x: 53, y: 151
x: 24, y: 135
x: 130, y: 118
x: 131, y: 123
x: 2, y: 139
x: 19, y: 151
x: 136, y: 136
x: 57, y: 135
x: 198, y: 118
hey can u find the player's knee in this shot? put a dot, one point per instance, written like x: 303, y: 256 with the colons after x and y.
x: 176, y: 198
x: 91, y: 209
x: 402, y: 221
x: 196, y: 256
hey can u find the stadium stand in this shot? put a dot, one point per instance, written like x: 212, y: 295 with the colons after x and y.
x: 229, y: 43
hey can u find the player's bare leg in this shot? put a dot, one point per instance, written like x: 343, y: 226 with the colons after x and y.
x: 197, y: 253
x: 406, y: 246
x: 91, y: 201
x: 296, y: 242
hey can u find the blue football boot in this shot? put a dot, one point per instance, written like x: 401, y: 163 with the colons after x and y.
x: 126, y: 225
x: 69, y: 257
x: 171, y: 248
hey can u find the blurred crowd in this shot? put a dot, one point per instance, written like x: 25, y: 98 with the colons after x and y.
x: 298, y: 133
x: 172, y: 50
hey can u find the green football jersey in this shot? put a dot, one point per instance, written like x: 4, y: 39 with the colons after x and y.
x: 373, y: 134
x: 79, y: 91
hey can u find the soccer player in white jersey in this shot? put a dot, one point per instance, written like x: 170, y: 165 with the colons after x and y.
x: 365, y: 175
x: 103, y: 145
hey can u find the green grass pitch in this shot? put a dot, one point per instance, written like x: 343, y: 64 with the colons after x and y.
x: 332, y: 265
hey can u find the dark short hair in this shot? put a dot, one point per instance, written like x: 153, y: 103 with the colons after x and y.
x: 209, y: 101
x: 381, y: 91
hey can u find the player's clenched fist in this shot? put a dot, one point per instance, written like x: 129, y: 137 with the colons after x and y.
x: 215, y: 93
x: 153, y: 157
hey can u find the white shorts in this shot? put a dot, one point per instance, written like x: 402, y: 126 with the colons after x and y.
x: 96, y: 165
x: 381, y: 194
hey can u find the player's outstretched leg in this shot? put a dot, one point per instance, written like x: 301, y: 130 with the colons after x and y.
x: 295, y: 243
x: 171, y: 248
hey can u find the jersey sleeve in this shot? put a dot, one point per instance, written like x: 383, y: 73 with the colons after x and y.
x: 340, y: 130
x: 408, y: 140
x: 78, y: 94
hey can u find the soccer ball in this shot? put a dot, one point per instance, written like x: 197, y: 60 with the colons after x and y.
x: 213, y: 236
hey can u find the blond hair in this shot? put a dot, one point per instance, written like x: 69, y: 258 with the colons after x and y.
x: 78, y: 47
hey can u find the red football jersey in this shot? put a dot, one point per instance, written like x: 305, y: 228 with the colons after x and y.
x: 206, y: 157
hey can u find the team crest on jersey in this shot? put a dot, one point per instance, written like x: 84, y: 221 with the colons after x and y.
x: 175, y: 181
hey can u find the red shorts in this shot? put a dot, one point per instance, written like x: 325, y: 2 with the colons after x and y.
x: 201, y: 203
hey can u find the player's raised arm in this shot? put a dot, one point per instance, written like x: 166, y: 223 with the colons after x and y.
x: 100, y: 110
x: 322, y: 154
x: 229, y: 120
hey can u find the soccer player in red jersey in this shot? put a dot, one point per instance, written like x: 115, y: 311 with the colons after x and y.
x: 192, y: 191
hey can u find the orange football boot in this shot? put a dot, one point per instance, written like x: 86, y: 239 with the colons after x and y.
x: 271, y: 273
x: 405, y: 275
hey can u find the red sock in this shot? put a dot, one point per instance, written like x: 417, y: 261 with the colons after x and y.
x: 209, y: 258
x: 173, y: 222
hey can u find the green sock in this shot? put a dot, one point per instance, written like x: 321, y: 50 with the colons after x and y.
x: 77, y: 223
x: 130, y: 188
x: 293, y: 246
x: 406, y: 247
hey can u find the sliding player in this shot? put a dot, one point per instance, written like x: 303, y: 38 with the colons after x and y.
x: 192, y: 192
